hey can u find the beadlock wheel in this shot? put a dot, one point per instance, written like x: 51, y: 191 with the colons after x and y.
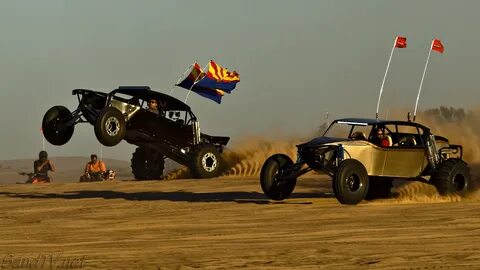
x: 205, y: 161
x: 112, y: 126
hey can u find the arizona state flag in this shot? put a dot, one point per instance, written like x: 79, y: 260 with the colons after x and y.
x: 437, y: 46
x: 195, y: 74
x: 219, y: 73
x: 189, y: 84
x: 218, y: 77
x: 400, y: 42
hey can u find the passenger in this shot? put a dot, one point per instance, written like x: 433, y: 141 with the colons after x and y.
x: 383, y: 140
x: 41, y: 168
x: 94, y: 170
x: 153, y: 106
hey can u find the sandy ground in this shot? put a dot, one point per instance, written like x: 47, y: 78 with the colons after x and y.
x: 226, y: 223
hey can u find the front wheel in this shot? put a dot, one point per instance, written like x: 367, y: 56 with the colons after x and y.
x: 350, y: 182
x: 205, y: 161
x: 452, y: 177
x: 54, y: 125
x: 110, y: 127
x: 274, y: 183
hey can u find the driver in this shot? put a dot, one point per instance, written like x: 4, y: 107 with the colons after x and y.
x: 153, y: 106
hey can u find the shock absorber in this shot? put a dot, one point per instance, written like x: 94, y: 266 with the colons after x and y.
x: 340, y: 154
x: 196, y: 132
x: 432, y: 153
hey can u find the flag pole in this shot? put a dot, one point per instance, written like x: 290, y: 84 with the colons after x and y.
x: 195, y: 82
x: 384, y: 77
x: 180, y: 78
x: 43, y: 139
x: 326, y: 118
x: 421, y: 82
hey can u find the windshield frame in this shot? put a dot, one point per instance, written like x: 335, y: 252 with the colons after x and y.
x: 351, y: 124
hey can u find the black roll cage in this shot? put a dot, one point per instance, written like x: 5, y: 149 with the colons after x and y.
x: 84, y: 114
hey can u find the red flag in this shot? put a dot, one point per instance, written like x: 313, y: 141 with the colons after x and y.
x: 437, y: 46
x: 400, y: 42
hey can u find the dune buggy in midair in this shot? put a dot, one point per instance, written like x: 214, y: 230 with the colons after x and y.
x: 121, y: 115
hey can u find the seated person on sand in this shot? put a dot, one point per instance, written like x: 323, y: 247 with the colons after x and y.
x: 41, y: 168
x: 94, y: 170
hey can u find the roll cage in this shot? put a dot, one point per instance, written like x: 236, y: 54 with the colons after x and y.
x: 135, y: 97
x: 395, y: 129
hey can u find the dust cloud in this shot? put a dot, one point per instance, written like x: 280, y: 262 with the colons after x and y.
x: 245, y: 157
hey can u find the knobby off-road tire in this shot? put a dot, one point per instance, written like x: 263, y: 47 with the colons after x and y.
x: 110, y: 127
x: 54, y: 130
x: 350, y: 182
x: 147, y: 164
x: 205, y: 161
x: 274, y: 185
x: 452, y: 177
x: 379, y: 188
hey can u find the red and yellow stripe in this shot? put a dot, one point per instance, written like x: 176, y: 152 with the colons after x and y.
x: 196, y: 73
x: 219, y: 73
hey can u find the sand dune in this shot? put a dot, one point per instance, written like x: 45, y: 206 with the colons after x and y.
x: 226, y: 223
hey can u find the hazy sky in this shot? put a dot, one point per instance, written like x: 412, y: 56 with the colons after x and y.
x: 296, y: 59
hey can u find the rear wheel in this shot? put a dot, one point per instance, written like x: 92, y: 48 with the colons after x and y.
x: 147, y: 164
x: 53, y: 125
x: 350, y: 182
x: 110, y: 127
x: 205, y: 161
x: 452, y: 177
x: 274, y: 184
x: 379, y: 188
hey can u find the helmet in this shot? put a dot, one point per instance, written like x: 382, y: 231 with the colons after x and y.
x: 43, y: 155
